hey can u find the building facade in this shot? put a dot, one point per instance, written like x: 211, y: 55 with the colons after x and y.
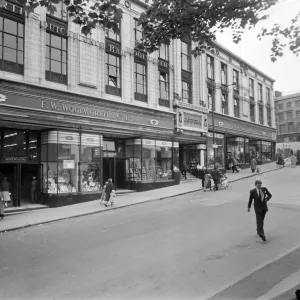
x: 287, y: 109
x: 77, y: 110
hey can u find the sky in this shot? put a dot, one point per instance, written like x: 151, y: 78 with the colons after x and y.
x: 286, y: 70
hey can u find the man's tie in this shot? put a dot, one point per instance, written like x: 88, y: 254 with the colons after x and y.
x: 262, y: 196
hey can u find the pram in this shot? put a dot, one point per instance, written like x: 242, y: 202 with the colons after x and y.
x: 223, y: 182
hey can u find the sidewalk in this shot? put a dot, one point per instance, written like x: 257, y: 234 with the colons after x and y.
x: 43, y: 216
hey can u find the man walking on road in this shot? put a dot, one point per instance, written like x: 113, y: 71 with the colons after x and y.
x: 261, y: 196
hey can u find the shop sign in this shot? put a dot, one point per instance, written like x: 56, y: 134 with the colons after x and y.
x: 68, y: 164
x: 163, y: 144
x: 109, y: 154
x: 20, y: 159
x: 191, y: 121
x: 148, y: 142
x: 91, y: 140
x: 217, y: 135
x: 154, y: 122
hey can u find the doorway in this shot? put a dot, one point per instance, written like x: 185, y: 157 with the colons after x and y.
x: 20, y: 177
x: 109, y: 169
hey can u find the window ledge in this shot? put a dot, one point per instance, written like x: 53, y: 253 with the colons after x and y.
x: 87, y: 85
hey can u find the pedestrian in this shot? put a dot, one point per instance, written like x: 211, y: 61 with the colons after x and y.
x: 293, y: 161
x: 5, y: 194
x: 184, y: 169
x: 261, y: 196
x: 216, y: 175
x: 207, y: 181
x: 234, y: 165
x: 253, y: 164
x: 33, y: 190
x: 108, y: 189
x: 103, y: 196
x: 2, y: 214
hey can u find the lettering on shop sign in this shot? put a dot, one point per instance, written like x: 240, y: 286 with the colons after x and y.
x: 15, y: 159
x: 89, y: 112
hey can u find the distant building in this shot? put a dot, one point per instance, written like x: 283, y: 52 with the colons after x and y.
x: 287, y: 110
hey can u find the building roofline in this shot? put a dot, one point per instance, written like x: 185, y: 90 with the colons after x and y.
x: 242, y: 60
x: 295, y: 95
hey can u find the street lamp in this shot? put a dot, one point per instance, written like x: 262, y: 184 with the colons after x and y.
x: 216, y: 86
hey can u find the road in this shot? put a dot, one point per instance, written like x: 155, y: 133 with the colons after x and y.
x: 197, y: 246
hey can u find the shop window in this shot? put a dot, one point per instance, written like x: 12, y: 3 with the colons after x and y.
x: 266, y: 151
x: 261, y: 114
x: 255, y: 149
x: 236, y: 149
x: 59, y: 12
x: 186, y: 58
x: 176, y: 156
x: 252, y: 112
x: 236, y: 108
x: 73, y: 162
x: 56, y: 58
x: 223, y: 73
x: 247, y: 152
x: 149, y: 160
x: 210, y: 67
x: 224, y: 103
x: 163, y: 160
x: 140, y: 82
x: 33, y: 146
x: 219, y: 152
x: 90, y: 163
x: 164, y: 89
x: 113, y: 74
x: 186, y: 90
x: 11, y: 45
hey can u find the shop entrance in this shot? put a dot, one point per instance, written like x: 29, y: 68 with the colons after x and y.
x: 109, y: 169
x: 20, y: 177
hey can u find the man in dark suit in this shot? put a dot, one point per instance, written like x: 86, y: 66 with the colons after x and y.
x: 261, y: 196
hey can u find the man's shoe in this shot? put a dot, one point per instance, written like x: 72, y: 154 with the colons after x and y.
x: 263, y: 238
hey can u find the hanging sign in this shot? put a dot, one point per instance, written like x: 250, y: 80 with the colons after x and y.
x: 68, y: 164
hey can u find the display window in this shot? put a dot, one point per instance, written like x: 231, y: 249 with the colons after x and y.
x: 255, y: 149
x: 236, y: 149
x: 150, y: 160
x: 219, y: 151
x: 72, y: 163
x: 175, y: 156
x: 266, y: 152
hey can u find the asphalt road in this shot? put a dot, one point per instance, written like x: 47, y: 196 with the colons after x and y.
x: 186, y: 247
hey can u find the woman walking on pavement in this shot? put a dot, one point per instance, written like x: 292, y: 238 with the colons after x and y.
x: 253, y: 164
x: 108, y: 189
x: 4, y: 195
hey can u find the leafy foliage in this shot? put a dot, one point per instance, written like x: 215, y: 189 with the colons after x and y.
x: 86, y: 13
x: 200, y: 20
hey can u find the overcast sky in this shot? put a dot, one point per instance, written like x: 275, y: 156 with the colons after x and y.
x: 286, y: 70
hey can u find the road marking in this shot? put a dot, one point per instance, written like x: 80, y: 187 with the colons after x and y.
x: 282, y: 287
x: 248, y: 273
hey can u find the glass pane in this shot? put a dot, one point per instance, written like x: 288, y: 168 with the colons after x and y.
x: 10, y: 55
x: 47, y: 65
x: 32, y: 145
x: 10, y: 26
x: 112, y: 60
x: 112, y: 81
x: 109, y: 146
x: 20, y: 57
x: 64, y: 44
x: 184, y: 62
x: 20, y: 44
x: 10, y: 41
x: 0, y: 38
x: 112, y: 71
x: 184, y: 48
x: 20, y: 30
x: 64, y: 56
x: 55, y: 66
x: 0, y: 52
x: 140, y: 89
x: 47, y: 38
x: 163, y: 162
x: 140, y: 79
x: 1, y: 23
x: 64, y: 69
x: 140, y: 69
x: 55, y: 54
x: 148, y: 163
x: 89, y: 177
x: 55, y: 41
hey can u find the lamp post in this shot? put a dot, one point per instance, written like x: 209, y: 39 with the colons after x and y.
x: 216, y: 86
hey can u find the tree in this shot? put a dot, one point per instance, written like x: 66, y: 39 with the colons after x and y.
x: 200, y: 20
x: 86, y: 13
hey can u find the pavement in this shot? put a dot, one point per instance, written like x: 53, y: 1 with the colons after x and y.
x: 195, y: 246
x: 33, y: 218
